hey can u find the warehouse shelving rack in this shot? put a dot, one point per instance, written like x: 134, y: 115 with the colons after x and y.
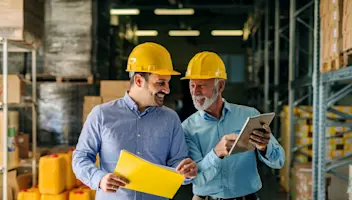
x: 318, y: 86
x: 14, y: 46
x: 295, y: 84
x: 321, y: 102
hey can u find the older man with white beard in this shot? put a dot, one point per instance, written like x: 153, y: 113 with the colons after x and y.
x: 212, y: 130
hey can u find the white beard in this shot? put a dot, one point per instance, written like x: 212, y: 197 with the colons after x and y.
x: 207, y: 102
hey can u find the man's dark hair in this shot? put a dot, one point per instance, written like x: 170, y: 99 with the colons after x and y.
x: 145, y: 75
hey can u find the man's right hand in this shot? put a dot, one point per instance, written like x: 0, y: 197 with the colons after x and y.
x: 111, y: 182
x: 223, y: 147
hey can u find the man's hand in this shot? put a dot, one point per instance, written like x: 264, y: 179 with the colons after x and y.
x: 223, y: 147
x: 260, y: 138
x: 111, y: 182
x: 188, y: 168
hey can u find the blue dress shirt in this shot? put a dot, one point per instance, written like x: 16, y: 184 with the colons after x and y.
x: 155, y: 135
x: 235, y: 175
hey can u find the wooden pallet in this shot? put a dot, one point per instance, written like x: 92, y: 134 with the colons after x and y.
x: 61, y: 79
x: 347, y: 58
x: 333, y: 64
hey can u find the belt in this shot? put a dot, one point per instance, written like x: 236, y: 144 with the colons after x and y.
x: 247, y: 197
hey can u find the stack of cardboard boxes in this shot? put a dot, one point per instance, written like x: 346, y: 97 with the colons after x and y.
x: 331, y: 13
x: 22, y: 20
x: 338, y: 145
x: 302, y: 182
x: 347, y: 28
x: 109, y: 91
x: 336, y: 26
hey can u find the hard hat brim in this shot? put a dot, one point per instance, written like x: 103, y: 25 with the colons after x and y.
x: 201, y: 77
x: 166, y: 72
x: 159, y: 72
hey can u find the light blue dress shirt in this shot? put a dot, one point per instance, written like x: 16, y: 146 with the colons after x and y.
x: 155, y: 135
x: 235, y: 175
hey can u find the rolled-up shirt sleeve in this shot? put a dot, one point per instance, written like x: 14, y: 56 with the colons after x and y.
x: 88, y: 146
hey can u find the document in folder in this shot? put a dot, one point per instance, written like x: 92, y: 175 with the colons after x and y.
x: 147, y: 177
x: 242, y: 143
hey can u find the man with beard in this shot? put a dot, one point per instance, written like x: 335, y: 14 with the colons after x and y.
x: 138, y: 123
x: 212, y: 130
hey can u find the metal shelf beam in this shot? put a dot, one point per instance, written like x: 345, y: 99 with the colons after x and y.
x: 338, y: 75
x: 305, y: 7
x: 304, y: 81
x: 316, y: 93
x: 277, y: 66
x: 291, y: 93
x: 14, y: 46
x: 339, y: 95
x: 266, y: 59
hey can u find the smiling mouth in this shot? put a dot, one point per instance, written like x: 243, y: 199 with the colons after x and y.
x: 160, y: 95
x: 200, y: 100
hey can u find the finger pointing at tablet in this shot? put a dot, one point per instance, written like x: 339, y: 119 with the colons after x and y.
x: 223, y: 147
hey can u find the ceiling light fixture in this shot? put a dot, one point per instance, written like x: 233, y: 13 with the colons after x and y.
x: 226, y: 32
x: 184, y: 33
x: 182, y: 11
x: 124, y: 12
x: 146, y: 33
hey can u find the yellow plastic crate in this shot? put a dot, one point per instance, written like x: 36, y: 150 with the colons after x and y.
x: 52, y: 174
x: 70, y: 176
x: 61, y: 196
x: 29, y: 194
x: 79, y: 194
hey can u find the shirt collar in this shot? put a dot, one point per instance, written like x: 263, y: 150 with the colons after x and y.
x: 225, y: 109
x: 132, y: 104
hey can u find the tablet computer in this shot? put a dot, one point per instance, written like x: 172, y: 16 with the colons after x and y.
x: 242, y: 143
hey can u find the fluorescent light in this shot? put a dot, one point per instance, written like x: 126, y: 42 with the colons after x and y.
x: 184, y: 33
x: 183, y: 11
x: 226, y: 32
x: 124, y: 12
x: 146, y: 33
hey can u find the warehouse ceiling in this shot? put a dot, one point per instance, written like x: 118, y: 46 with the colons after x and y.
x: 208, y: 15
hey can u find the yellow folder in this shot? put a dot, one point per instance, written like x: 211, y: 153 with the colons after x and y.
x: 147, y: 177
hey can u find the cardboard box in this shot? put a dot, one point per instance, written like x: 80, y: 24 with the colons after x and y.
x: 22, y: 20
x: 15, y: 88
x: 23, y: 145
x: 89, y: 103
x: 12, y: 184
x: 24, y: 181
x: 9, y: 193
x: 108, y: 99
x: 13, y: 152
x: 338, y: 187
x: 115, y: 89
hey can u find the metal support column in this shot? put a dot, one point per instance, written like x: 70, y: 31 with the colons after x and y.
x: 266, y: 59
x: 34, y: 117
x: 5, y: 118
x: 291, y: 89
x: 277, y: 65
x: 254, y: 66
x: 316, y: 93
x: 322, y: 140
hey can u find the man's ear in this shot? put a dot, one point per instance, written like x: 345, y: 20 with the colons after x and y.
x: 138, y: 80
x: 221, y: 86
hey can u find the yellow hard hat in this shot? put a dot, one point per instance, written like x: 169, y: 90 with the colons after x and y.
x: 150, y: 57
x: 206, y: 65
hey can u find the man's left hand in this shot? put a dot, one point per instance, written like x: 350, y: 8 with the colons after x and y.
x: 188, y: 168
x: 260, y: 138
